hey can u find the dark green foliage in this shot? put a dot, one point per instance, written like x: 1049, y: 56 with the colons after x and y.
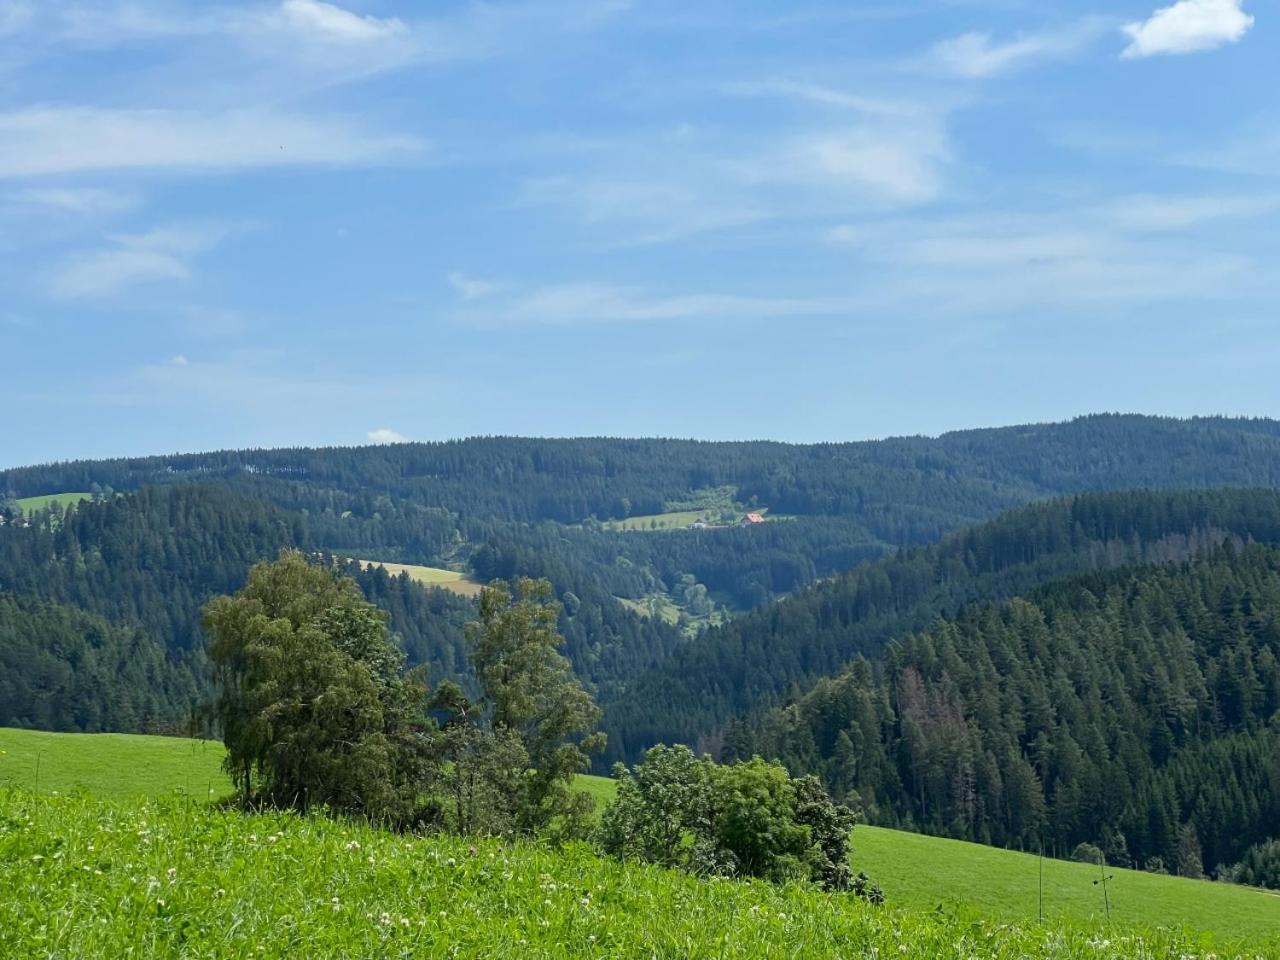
x: 530, y: 693
x: 1260, y: 867
x: 63, y: 669
x: 310, y: 696
x: 908, y: 489
x: 758, y: 658
x: 746, y: 819
x: 1138, y: 708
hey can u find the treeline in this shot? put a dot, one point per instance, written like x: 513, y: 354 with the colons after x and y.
x: 1135, y: 709
x: 904, y: 490
x: 782, y: 649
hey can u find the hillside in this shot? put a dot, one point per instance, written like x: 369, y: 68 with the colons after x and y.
x: 917, y: 872
x: 782, y: 649
x: 187, y: 527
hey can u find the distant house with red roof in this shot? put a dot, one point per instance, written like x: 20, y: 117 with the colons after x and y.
x: 751, y: 518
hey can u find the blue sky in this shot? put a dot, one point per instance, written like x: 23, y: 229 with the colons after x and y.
x: 276, y: 223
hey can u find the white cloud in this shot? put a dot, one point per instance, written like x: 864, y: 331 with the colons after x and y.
x: 386, y: 435
x: 1186, y: 27
x: 179, y: 361
x: 591, y: 303
x: 164, y: 253
x: 976, y: 55
x: 472, y: 288
x: 57, y: 140
x: 333, y: 23
x: 87, y: 201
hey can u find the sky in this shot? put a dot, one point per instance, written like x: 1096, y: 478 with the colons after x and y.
x: 295, y: 222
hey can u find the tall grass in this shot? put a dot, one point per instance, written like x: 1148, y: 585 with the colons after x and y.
x: 175, y: 878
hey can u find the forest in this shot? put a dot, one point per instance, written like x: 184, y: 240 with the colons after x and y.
x: 1136, y: 709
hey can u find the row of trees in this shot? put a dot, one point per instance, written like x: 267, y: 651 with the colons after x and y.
x: 317, y: 710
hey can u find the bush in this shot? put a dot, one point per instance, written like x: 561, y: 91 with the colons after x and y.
x: 1260, y: 867
x: 1088, y: 853
x: 745, y: 819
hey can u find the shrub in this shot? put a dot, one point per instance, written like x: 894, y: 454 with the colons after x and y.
x: 745, y: 819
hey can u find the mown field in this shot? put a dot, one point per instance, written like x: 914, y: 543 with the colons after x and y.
x: 31, y: 504
x: 88, y: 878
x: 433, y: 577
x: 916, y: 872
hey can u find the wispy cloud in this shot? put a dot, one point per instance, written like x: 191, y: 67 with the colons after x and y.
x: 605, y: 303
x: 977, y: 55
x: 472, y: 288
x: 164, y: 253
x: 1187, y: 26
x: 351, y: 42
x: 821, y: 95
x: 13, y: 16
x: 898, y: 165
x: 58, y: 140
x: 1150, y: 212
x: 650, y: 209
x: 1108, y: 255
x: 88, y: 201
x: 1255, y: 151
x: 335, y: 24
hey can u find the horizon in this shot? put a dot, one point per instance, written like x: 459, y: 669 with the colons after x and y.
x: 370, y: 445
x: 262, y: 223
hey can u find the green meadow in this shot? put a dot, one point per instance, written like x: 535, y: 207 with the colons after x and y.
x: 169, y: 878
x: 939, y: 878
x: 433, y: 577
x: 31, y: 504
x: 111, y: 764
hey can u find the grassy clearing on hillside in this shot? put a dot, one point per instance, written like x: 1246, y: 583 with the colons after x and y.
x: 433, y: 577
x: 111, y: 764
x: 31, y: 504
x: 83, y: 878
x: 676, y: 520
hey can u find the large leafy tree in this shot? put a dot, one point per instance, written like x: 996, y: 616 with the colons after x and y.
x: 311, y: 698
x: 529, y: 691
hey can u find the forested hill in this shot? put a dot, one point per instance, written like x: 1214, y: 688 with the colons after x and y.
x: 1137, y: 709
x: 788, y: 645
x: 904, y: 490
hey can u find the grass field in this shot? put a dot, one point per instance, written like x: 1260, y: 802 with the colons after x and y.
x: 111, y: 764
x: 918, y: 873
x: 434, y: 577
x: 84, y: 878
x: 927, y: 871
x: 677, y: 520
x: 31, y: 504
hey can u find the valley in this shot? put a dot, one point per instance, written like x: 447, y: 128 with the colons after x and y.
x: 1064, y: 634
